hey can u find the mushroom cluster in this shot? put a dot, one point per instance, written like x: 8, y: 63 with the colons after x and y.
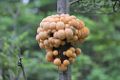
x: 58, y: 34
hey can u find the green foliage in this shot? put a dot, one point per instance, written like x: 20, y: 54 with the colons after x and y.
x: 18, y: 23
x: 103, y: 49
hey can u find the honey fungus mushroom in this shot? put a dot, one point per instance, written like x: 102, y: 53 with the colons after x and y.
x: 58, y: 34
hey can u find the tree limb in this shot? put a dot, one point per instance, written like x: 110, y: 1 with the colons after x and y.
x: 74, y: 1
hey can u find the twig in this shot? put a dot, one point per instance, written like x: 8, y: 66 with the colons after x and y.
x: 21, y: 66
x: 114, y: 5
x: 74, y: 1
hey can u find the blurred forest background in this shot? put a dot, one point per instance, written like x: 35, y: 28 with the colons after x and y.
x: 19, y: 19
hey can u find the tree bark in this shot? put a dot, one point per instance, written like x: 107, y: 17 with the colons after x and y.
x: 65, y: 75
x: 63, y: 7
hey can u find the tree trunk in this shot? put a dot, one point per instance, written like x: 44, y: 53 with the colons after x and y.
x: 65, y: 75
x: 63, y: 7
